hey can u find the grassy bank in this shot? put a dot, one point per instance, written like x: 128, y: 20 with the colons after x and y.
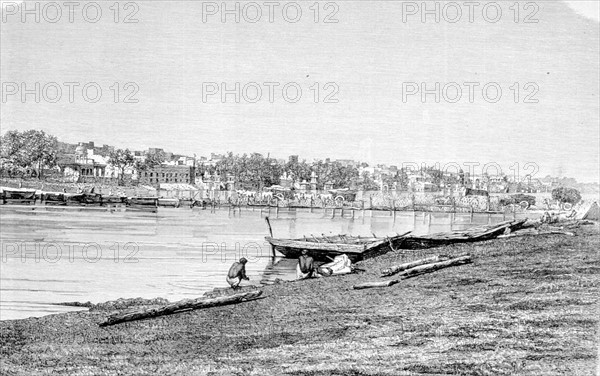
x: 526, y: 306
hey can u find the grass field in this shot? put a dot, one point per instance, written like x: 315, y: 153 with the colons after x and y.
x: 526, y: 306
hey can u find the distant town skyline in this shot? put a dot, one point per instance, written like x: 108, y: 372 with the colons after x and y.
x: 472, y: 167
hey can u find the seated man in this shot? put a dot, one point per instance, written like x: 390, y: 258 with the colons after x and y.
x: 305, y: 266
x: 236, y: 273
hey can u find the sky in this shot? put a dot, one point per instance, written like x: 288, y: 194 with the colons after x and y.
x: 366, y: 66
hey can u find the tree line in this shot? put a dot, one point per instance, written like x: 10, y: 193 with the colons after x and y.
x: 28, y: 153
x: 255, y: 171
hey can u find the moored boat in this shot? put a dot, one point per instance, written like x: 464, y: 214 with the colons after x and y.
x: 83, y: 199
x: 113, y: 200
x: 358, y: 248
x: 168, y: 202
x: 142, y: 201
x: 327, y: 247
x: 186, y: 202
x: 18, y: 196
x: 53, y: 198
x: 474, y: 234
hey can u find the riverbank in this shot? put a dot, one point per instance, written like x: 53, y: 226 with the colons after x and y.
x: 527, y: 305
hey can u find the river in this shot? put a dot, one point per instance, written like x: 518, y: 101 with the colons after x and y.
x: 52, y: 255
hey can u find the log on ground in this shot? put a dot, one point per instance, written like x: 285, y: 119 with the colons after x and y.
x: 428, y: 268
x: 368, y: 285
x: 398, y: 268
x: 418, y: 270
x: 183, y: 305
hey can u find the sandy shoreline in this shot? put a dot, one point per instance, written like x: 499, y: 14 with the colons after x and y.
x: 527, y: 306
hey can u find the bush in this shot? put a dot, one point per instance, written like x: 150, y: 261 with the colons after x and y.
x: 564, y: 194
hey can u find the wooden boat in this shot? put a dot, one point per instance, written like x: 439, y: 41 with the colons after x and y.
x: 186, y: 202
x: 83, y: 199
x: 323, y: 248
x: 142, y: 201
x: 18, y: 196
x: 474, y: 234
x: 168, y: 202
x: 54, y: 198
x: 358, y: 248
x: 113, y: 200
x: 79, y: 199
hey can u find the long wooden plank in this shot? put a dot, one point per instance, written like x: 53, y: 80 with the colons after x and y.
x: 183, y: 305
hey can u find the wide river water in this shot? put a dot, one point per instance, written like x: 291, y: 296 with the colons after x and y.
x: 52, y: 255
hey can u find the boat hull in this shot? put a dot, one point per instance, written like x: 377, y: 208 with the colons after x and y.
x: 319, y: 255
x: 83, y: 199
x: 325, y: 249
x: 357, y: 249
x: 467, y: 236
x: 168, y: 202
x: 19, y: 196
x: 142, y: 202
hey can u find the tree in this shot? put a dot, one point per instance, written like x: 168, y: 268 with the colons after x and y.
x: 298, y: 171
x: 12, y: 146
x: 341, y: 176
x: 366, y: 183
x: 437, y: 176
x: 151, y: 160
x: 31, y: 149
x: 566, y: 195
x: 403, y: 179
x: 42, y: 150
x: 121, y: 159
x: 257, y: 171
x: 249, y: 171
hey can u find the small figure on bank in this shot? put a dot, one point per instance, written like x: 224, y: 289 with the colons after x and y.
x: 237, y: 273
x: 306, y: 267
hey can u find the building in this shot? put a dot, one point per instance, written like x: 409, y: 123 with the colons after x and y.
x: 167, y: 174
x: 182, y: 160
x: 83, y: 165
